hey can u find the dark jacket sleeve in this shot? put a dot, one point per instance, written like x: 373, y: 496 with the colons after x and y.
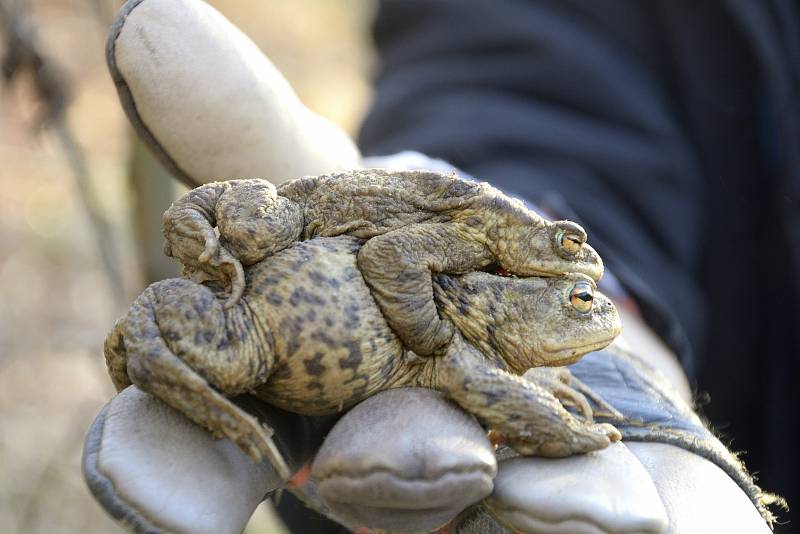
x: 564, y: 97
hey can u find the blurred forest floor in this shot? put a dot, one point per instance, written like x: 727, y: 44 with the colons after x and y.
x: 55, y: 302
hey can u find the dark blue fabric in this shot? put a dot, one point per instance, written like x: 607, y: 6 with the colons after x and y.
x: 672, y: 128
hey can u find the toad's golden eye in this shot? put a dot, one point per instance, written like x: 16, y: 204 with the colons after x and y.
x: 570, y: 243
x: 581, y: 297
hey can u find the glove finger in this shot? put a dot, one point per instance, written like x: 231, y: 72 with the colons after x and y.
x: 699, y: 495
x: 603, y: 491
x: 171, y: 58
x: 153, y: 470
x: 404, y: 460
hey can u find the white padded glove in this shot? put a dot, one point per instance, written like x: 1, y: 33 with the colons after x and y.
x: 211, y: 107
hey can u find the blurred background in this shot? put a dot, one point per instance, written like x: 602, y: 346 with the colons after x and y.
x: 56, y: 300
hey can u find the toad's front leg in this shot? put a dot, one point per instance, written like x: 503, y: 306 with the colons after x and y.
x: 528, y: 416
x: 398, y: 267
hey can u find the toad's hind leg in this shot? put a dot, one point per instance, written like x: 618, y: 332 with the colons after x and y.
x: 253, y: 222
x: 398, y: 267
x: 153, y: 367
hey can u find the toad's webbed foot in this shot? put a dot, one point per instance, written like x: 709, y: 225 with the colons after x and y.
x: 525, y: 414
x: 571, y: 392
x: 556, y: 380
x: 583, y: 439
x: 398, y: 267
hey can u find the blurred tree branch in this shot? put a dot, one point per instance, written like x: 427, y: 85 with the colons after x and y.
x: 22, y: 58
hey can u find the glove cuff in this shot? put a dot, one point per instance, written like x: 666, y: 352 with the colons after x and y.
x: 653, y: 412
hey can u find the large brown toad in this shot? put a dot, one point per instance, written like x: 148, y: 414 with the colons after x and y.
x: 307, y: 336
x: 417, y: 223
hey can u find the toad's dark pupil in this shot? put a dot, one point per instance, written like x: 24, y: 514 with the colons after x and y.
x: 585, y: 296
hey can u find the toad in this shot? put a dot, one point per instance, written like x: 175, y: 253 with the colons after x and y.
x: 307, y: 336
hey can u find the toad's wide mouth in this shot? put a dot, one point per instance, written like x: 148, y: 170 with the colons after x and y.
x: 496, y: 270
x: 556, y: 272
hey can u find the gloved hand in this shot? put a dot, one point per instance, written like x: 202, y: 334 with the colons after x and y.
x: 212, y: 107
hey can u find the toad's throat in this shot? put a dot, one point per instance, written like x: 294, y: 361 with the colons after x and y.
x: 564, y: 355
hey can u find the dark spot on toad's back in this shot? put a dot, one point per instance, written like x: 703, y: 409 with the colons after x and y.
x: 314, y: 364
x: 300, y: 294
x: 203, y: 337
x: 290, y: 331
x: 349, y: 273
x: 354, y: 357
x: 297, y: 296
x: 321, y: 279
x: 324, y: 338
x: 351, y: 319
x: 289, y: 328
